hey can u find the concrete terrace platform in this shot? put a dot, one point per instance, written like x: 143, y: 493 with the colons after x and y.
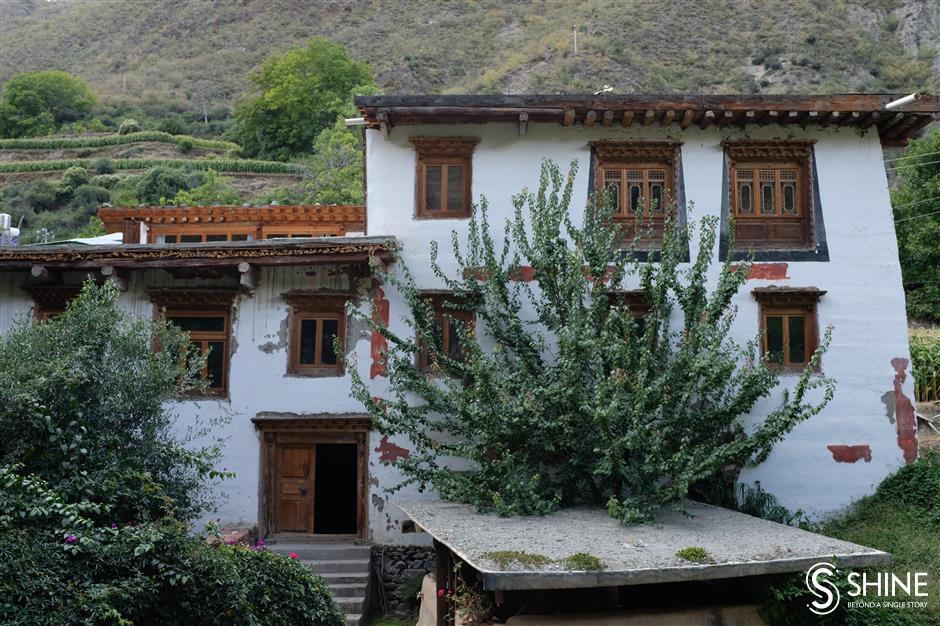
x: 635, y: 554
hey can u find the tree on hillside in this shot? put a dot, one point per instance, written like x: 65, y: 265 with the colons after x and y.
x: 36, y: 103
x: 558, y: 394
x: 334, y: 171
x: 299, y: 93
x: 916, y: 204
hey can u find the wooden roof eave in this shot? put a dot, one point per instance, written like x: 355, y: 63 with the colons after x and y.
x: 133, y: 257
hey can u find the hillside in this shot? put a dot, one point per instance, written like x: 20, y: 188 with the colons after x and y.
x: 190, y: 49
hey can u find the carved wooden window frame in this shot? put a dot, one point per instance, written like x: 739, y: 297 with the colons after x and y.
x: 203, y: 233
x: 780, y: 160
x: 645, y: 158
x: 170, y: 303
x: 306, y: 305
x: 444, y: 315
x: 789, y: 303
x: 51, y: 300
x: 443, y: 152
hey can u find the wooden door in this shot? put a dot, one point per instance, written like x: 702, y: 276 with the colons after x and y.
x: 295, y: 470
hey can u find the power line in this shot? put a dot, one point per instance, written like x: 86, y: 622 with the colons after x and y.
x: 911, y: 156
x: 921, y: 201
x: 901, y: 167
x: 914, y: 217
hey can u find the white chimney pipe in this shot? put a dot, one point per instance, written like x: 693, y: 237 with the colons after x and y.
x: 902, y: 101
x: 355, y: 121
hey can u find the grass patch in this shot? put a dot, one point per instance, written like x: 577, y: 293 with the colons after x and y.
x: 220, y: 165
x: 505, y: 557
x: 583, y: 561
x: 695, y: 554
x: 902, y: 517
x: 58, y: 143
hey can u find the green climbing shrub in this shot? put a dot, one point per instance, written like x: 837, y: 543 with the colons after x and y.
x: 559, y: 395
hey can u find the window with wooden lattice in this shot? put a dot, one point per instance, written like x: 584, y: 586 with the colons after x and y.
x: 447, y: 320
x: 317, y: 333
x: 640, y: 179
x: 788, y: 324
x: 443, y: 177
x: 770, y: 195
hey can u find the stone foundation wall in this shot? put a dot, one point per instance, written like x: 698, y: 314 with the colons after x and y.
x: 392, y: 569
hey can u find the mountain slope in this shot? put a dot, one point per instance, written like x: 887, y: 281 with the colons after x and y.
x: 190, y: 49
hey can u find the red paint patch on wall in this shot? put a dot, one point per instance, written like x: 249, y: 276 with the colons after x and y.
x: 904, y: 412
x: 765, y: 271
x: 525, y: 274
x: 850, y: 454
x: 379, y: 344
x: 389, y: 452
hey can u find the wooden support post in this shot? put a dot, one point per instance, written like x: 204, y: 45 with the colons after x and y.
x: 687, y: 118
x: 627, y: 119
x: 590, y: 118
x: 523, y: 124
x: 384, y: 125
x: 116, y: 276
x: 894, y: 121
x: 569, y: 117
x: 873, y: 117
x: 648, y: 117
x: 247, y: 277
x: 608, y: 118
x: 442, y: 575
x: 707, y: 118
x: 668, y: 116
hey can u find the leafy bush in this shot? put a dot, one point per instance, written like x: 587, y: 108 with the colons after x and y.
x: 213, y: 190
x: 90, y: 196
x: 129, y: 126
x: 247, y: 166
x: 185, y: 144
x: 160, y: 183
x: 575, y: 402
x: 35, y: 103
x: 74, y: 177
x: 103, y: 165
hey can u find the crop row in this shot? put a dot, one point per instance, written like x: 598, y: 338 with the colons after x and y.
x: 101, y: 141
x: 220, y: 165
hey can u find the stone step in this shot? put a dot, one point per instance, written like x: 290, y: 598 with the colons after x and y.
x: 340, y: 578
x: 323, y: 552
x: 350, y: 605
x: 353, y: 619
x: 349, y: 589
x: 357, y: 566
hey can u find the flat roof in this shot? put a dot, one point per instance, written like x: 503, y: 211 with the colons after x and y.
x: 634, y: 554
x: 297, y: 251
x: 857, y: 110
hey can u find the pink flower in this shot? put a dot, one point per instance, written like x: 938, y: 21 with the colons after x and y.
x: 71, y: 539
x: 441, y: 593
x: 113, y: 525
x: 293, y: 555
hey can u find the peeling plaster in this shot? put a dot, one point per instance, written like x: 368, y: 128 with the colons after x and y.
x: 850, y: 454
x: 904, y: 412
x: 281, y: 344
x: 766, y: 271
x: 378, y: 502
x: 888, y: 399
x: 389, y: 452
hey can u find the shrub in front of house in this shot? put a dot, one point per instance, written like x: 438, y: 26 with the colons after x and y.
x: 97, y: 487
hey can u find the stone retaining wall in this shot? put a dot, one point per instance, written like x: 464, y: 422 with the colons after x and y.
x: 392, y: 568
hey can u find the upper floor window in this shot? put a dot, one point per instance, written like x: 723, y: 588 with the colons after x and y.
x: 165, y: 236
x: 771, y: 194
x: 205, y: 316
x: 317, y: 333
x: 443, y: 177
x: 789, y: 333
x: 447, y: 320
x: 640, y: 178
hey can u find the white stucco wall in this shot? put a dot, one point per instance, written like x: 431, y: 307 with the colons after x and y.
x: 864, y: 303
x: 258, y: 380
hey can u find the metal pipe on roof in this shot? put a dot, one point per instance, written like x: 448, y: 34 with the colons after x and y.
x: 355, y: 121
x: 902, y: 101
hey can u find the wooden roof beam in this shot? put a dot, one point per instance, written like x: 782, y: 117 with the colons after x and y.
x: 568, y: 119
x: 707, y: 118
x: 523, y: 124
x: 686, y: 120
x: 667, y: 118
x: 384, y: 124
x: 627, y: 119
x: 870, y: 119
x: 850, y: 118
x: 892, y: 122
x: 608, y: 119
x: 749, y: 117
x: 725, y: 118
x: 648, y: 117
x: 589, y: 118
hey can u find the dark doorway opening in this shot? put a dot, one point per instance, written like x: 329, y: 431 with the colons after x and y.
x: 335, y: 489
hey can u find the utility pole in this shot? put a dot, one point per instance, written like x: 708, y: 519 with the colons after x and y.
x: 574, y: 30
x: 124, y: 88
